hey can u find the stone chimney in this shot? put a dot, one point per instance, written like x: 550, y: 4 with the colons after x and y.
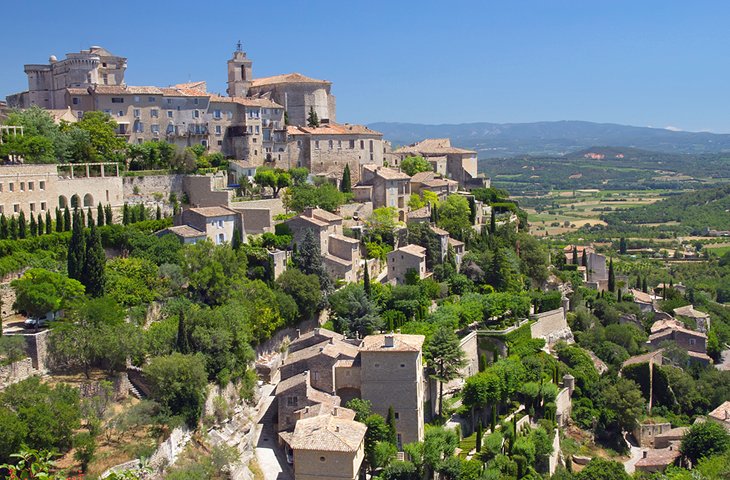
x: 335, y: 411
x: 643, y: 454
x: 389, y: 340
x: 565, y: 301
x: 308, y: 212
x: 569, y: 382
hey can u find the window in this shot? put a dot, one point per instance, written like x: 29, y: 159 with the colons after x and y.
x: 195, y: 101
x: 216, y: 114
x: 22, y: 186
x: 117, y: 100
x: 136, y: 99
x: 692, y: 341
x: 322, y: 459
x: 331, y: 144
x: 155, y: 128
x: 121, y: 113
x: 218, y: 130
x: 292, y: 401
x: 196, y: 114
x: 397, y: 415
x: 204, y: 143
x: 107, y: 111
x: 11, y: 187
x: 43, y: 206
x: 352, y: 144
x: 169, y: 114
x: 105, y: 79
x: 169, y: 101
x: 151, y: 99
x: 80, y: 114
x: 362, y: 144
x: 399, y: 441
x: 137, y: 113
x: 220, y: 142
x: 221, y: 238
x: 30, y: 186
x: 75, y: 100
x: 316, y: 144
x: 229, y: 114
x: 377, y: 365
x: 316, y: 376
x: 16, y: 208
x: 257, y: 130
x: 402, y: 365
x: 138, y: 127
x: 154, y: 113
x: 32, y: 207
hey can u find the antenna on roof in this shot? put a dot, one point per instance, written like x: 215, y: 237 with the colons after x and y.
x: 239, y: 47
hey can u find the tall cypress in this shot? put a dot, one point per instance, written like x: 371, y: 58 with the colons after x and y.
x: 89, y: 217
x: 99, y: 215
x: 41, y: 225
x: 346, y: 184
x: 493, y: 222
x: 94, y: 261
x: 644, y: 286
x: 76, y: 249
x: 611, y: 277
x: 575, y: 255
x: 158, y: 213
x: 59, y: 220
x: 67, y: 220
x: 49, y: 225
x: 4, y: 229
x: 366, y: 280
x: 81, y: 216
x: 638, y: 282
x: 22, y: 225
x: 33, y: 226
x: 13, y: 228
x: 108, y: 215
x: 181, y: 341
x: 584, y: 259
x: 392, y: 427
x: 125, y: 214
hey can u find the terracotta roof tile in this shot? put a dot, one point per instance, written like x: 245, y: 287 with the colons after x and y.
x: 286, y: 78
x: 333, y: 129
x: 433, y: 146
x: 328, y: 433
x: 218, y: 211
x: 401, y: 343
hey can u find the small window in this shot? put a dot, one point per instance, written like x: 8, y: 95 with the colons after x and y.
x: 292, y: 401
x: 43, y: 206
x: 151, y: 99
x: 402, y: 365
x: 229, y: 114
x: 169, y: 101
x: 195, y: 101
x: 316, y: 144
x: 137, y: 113
x: 30, y: 186
x: 117, y: 100
x: 22, y: 186
x: 377, y: 365
x: 75, y: 100
x: 196, y: 113
x: 218, y: 130
x: 322, y: 459
x: 216, y: 114
x: 220, y: 142
x: 11, y: 187
x: 16, y: 208
x: 121, y: 113
x: 32, y: 207
x: 155, y: 128
x: 169, y: 114
x: 692, y: 341
x: 136, y: 99
x: 154, y: 113
x: 397, y: 415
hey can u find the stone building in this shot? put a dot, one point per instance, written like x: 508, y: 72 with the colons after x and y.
x: 36, y: 189
x: 219, y: 224
x: 694, y: 343
x: 296, y: 393
x: 451, y: 162
x: 390, y: 188
x: 48, y: 83
x: 433, y: 182
x: 298, y: 94
x: 405, y: 259
x: 701, y: 320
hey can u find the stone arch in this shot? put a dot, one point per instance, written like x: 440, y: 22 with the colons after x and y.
x: 62, y: 202
x: 88, y: 200
x: 75, y: 201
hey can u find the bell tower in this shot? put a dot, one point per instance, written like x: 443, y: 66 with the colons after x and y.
x: 239, y: 73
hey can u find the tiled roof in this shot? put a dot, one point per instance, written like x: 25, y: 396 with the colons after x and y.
x: 401, y: 343
x: 641, y: 297
x: 413, y: 249
x: 433, y: 146
x: 312, y: 337
x: 328, y: 433
x: 420, y: 213
x: 421, y: 177
x: 663, y: 324
x: 337, y: 260
x: 218, y: 211
x: 183, y: 92
x: 286, y: 78
x: 343, y: 238
x: 669, y: 330
x: 185, y: 231
x: 385, y: 172
x: 289, y: 383
x: 77, y: 91
x: 659, y: 457
x: 332, y: 129
x: 689, y: 311
x: 455, y: 242
x: 439, y: 231
x: 325, y: 216
x: 721, y: 413
x: 313, y: 221
x: 126, y: 90
x: 332, y: 348
x: 645, y: 358
x: 246, y: 101
x: 201, y: 86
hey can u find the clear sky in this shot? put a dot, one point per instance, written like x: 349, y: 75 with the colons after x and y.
x: 639, y: 62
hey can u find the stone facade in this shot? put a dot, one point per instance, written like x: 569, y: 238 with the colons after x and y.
x: 552, y: 326
x: 391, y: 188
x: 405, y: 259
x: 16, y: 372
x: 219, y: 224
x: 644, y: 433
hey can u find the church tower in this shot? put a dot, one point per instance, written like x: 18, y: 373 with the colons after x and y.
x: 239, y: 73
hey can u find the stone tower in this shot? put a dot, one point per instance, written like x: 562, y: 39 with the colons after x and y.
x: 239, y: 73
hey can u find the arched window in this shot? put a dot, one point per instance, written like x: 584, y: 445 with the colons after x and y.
x: 62, y: 202
x: 75, y: 201
x: 88, y: 200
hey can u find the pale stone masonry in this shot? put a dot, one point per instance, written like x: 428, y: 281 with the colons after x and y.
x: 390, y: 188
x: 218, y: 224
x: 405, y: 259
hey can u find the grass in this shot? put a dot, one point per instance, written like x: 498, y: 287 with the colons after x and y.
x: 467, y: 444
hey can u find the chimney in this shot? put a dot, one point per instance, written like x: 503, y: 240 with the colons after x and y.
x: 644, y: 454
x: 389, y: 340
x: 335, y: 411
x: 299, y: 332
x: 337, y: 428
x: 332, y: 340
x: 316, y: 331
x: 308, y: 212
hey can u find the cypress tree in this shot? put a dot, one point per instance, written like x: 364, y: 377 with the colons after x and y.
x: 13, y: 228
x: 49, y: 225
x: 622, y: 248
x: 482, y: 362
x: 493, y: 420
x: 584, y: 260
x: 392, y: 428
x: 312, y: 118
x: 22, y: 225
x: 575, y: 255
x: 638, y: 282
x: 41, y: 225
x: 472, y: 209
x: 132, y: 215
x: 4, y: 230
x: 181, y: 340
x: 76, y: 257
x: 59, y: 220
x: 81, y: 216
x: 644, y: 286
x: 235, y: 242
x: 99, y: 215
x: 89, y: 217
x: 308, y: 259
x: 142, y: 214
x: 366, y: 280
x: 33, y: 226
x: 480, y: 433
x: 493, y: 222
x: 346, y: 184
x: 94, y: 262
x: 67, y: 220
x: 611, y: 277
x: 125, y: 214
x: 158, y: 213
x: 108, y: 215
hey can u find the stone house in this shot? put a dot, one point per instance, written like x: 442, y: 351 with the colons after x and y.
x: 694, y: 343
x: 405, y: 259
x: 328, y: 446
x: 343, y: 258
x: 238, y: 169
x: 319, y: 359
x: 721, y: 415
x: 689, y: 314
x: 433, y: 182
x: 391, y: 188
x: 392, y: 376
x: 658, y: 459
x: 296, y: 393
x: 185, y: 233
x: 643, y: 300
x: 219, y: 224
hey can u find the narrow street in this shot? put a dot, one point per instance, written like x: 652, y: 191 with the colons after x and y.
x: 270, y: 457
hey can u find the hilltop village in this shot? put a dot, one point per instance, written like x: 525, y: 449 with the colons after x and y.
x: 197, y: 285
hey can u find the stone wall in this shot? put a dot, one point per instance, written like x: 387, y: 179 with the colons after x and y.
x: 644, y: 433
x: 274, y: 205
x: 36, y: 345
x: 552, y: 326
x: 564, y: 406
x: 16, y: 372
x: 7, y: 298
x: 201, y: 190
x: 153, y: 190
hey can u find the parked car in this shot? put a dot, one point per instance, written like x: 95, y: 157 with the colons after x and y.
x: 35, y: 323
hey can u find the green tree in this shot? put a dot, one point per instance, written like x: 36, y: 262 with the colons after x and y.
x: 392, y: 425
x: 108, y: 216
x: 41, y: 225
x: 346, y: 183
x: 454, y: 216
x: 33, y: 226
x: 445, y: 358
x: 89, y: 217
x: 312, y: 118
x: 13, y: 228
x: 22, y: 225
x: 623, y: 403
x: 94, y: 264
x: 100, y: 215
x: 622, y: 246
x: 40, y: 291
x: 4, y: 229
x: 704, y: 439
x: 76, y: 257
x: 601, y: 469
x: 59, y: 221
x: 308, y: 259
x: 67, y: 220
x: 611, y: 277
x: 366, y: 280
x: 414, y: 165
x: 304, y: 289
x: 353, y: 311
x: 213, y: 271
x: 299, y: 175
x: 105, y: 144
x: 178, y: 383
x: 84, y: 449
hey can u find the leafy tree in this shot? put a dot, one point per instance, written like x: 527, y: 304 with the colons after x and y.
x: 623, y: 403
x: 13, y: 228
x: 89, y: 217
x: 312, y: 118
x: 377, y: 432
x: 346, y: 183
x: 601, y: 469
x: 59, y: 221
x: 178, y: 383
x: 299, y: 175
x: 303, y: 288
x: 84, y: 449
x: 212, y: 271
x: 704, y: 439
x: 308, y: 259
x: 325, y: 196
x: 41, y: 291
x: 454, y: 216
x: 414, y: 165
x: 445, y: 358
x: 276, y: 179
x: 131, y: 281
x: 481, y: 390
x: 382, y: 222
x: 77, y: 249
x: 353, y: 311
x: 622, y: 246
x: 105, y: 144
x: 95, y: 260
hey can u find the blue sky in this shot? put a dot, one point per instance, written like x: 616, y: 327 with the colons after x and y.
x: 647, y: 63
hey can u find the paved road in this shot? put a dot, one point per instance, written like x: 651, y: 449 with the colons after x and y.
x: 725, y: 363
x: 636, y: 454
x: 270, y: 457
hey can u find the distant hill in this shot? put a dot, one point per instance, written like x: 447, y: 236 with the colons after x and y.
x: 554, y: 138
